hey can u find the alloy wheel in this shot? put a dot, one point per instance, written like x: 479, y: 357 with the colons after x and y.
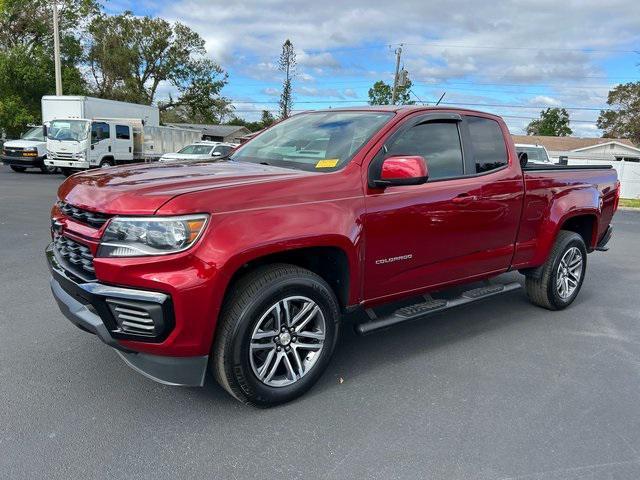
x: 287, y: 341
x: 569, y: 272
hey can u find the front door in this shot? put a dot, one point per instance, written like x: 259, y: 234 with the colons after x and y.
x: 100, y: 142
x: 427, y: 235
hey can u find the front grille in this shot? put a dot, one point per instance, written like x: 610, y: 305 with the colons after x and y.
x: 63, y: 156
x: 13, y: 151
x: 84, y: 216
x: 75, y: 257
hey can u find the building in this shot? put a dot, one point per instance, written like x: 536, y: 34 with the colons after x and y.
x: 621, y: 153
x: 217, y: 133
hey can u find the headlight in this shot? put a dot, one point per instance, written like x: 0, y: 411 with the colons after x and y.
x: 136, y: 237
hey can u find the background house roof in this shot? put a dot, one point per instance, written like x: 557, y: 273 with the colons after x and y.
x: 213, y: 130
x: 562, y: 144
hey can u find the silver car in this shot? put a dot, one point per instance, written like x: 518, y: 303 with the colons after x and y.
x: 200, y: 151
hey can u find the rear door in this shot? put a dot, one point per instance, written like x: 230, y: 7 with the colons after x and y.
x: 123, y: 145
x: 452, y: 228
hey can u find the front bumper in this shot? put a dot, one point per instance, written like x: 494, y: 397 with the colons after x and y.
x: 27, y: 162
x: 75, y: 164
x: 85, y: 304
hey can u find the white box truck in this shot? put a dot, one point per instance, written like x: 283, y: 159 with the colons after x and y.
x: 86, y: 132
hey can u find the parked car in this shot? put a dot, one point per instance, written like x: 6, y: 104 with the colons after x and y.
x: 28, y: 152
x: 200, y: 151
x: 535, y: 153
x: 247, y: 267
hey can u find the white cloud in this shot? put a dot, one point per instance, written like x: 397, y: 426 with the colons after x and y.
x: 525, y: 42
x: 544, y: 100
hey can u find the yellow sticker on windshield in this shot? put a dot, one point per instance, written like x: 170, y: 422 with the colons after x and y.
x: 328, y: 163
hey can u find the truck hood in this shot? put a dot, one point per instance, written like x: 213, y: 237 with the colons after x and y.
x: 23, y: 144
x: 143, y: 189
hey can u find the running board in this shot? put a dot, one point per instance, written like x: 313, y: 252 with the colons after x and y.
x: 431, y: 306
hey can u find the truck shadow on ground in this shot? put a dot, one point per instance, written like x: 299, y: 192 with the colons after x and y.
x: 356, y: 356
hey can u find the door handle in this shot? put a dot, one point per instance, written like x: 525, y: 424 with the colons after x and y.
x: 109, y: 147
x: 464, y: 198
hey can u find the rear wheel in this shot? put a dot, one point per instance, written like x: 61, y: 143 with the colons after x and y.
x: 18, y: 169
x: 277, y: 332
x: 560, y: 280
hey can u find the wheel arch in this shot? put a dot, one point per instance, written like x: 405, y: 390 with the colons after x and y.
x: 330, y: 262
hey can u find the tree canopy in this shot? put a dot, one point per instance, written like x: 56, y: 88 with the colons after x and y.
x: 623, y: 119
x: 26, y: 57
x: 131, y: 57
x: 553, y: 122
x: 380, y: 94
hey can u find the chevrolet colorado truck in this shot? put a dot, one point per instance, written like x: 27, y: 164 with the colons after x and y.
x: 248, y: 266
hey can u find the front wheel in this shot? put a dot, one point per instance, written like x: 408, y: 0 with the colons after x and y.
x: 48, y: 169
x: 107, y: 163
x: 277, y: 332
x: 18, y: 169
x: 560, y: 280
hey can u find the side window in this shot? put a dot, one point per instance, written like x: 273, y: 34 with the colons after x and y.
x: 437, y: 142
x: 99, y: 131
x: 122, y: 132
x: 488, y: 144
x: 222, y: 149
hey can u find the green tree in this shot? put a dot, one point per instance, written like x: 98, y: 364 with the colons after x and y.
x: 266, y: 120
x: 287, y: 64
x: 26, y: 57
x: 623, y: 119
x: 553, y: 122
x: 130, y: 57
x: 380, y: 94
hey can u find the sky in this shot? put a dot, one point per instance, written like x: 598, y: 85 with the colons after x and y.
x: 509, y: 57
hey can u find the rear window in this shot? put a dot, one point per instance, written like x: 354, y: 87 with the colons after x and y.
x: 122, y: 132
x: 489, y: 148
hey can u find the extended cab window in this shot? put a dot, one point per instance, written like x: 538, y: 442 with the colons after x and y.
x: 122, y: 132
x: 488, y: 144
x: 437, y: 142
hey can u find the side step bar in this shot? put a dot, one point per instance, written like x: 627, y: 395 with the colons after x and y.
x: 429, y: 307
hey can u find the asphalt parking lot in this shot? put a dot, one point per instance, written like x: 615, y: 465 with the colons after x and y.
x: 497, y: 390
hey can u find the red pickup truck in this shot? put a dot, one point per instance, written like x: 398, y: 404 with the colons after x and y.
x: 248, y: 266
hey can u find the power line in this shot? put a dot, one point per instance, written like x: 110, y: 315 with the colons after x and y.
x: 501, y: 105
x: 461, y: 46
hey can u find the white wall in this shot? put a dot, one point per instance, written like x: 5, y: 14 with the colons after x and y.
x: 628, y: 172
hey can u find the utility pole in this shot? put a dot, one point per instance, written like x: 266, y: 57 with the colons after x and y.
x: 56, y: 49
x: 394, y: 92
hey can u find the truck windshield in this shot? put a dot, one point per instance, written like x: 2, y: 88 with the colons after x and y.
x: 316, y: 141
x: 68, y: 130
x: 534, y: 154
x: 35, y: 134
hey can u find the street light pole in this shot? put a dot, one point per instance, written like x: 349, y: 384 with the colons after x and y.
x: 56, y: 49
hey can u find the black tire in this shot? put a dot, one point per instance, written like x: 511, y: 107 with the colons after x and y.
x: 542, y: 289
x: 107, y: 162
x: 18, y: 169
x: 48, y: 169
x: 246, y: 304
x: 67, y: 172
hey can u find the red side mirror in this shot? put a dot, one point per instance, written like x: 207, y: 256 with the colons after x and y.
x: 403, y: 170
